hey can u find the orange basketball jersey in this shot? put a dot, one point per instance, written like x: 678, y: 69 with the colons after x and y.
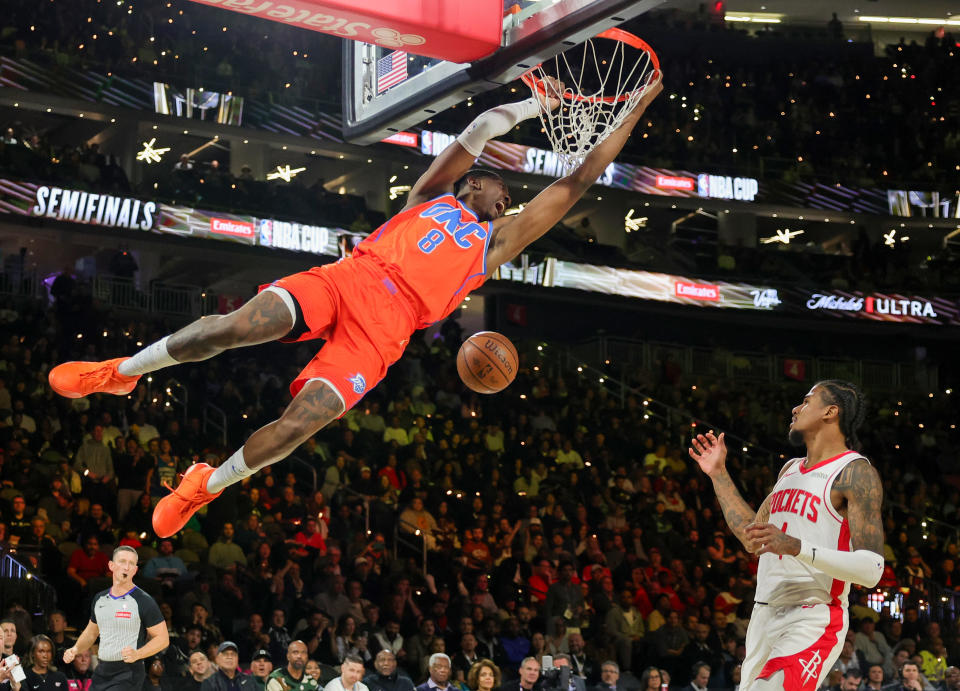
x: 435, y: 253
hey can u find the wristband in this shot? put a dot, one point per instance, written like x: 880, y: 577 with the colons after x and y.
x: 495, y: 122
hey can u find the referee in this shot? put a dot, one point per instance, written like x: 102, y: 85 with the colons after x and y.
x: 129, y: 624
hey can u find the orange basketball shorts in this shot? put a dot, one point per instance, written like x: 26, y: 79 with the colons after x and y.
x: 365, y: 319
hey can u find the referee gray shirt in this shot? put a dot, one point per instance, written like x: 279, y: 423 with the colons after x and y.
x: 123, y: 621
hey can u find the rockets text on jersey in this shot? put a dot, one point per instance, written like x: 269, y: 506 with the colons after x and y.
x: 800, y: 505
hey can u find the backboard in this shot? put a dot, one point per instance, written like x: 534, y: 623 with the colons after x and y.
x: 386, y: 91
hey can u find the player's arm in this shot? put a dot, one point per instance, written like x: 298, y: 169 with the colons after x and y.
x: 458, y: 158
x: 513, y: 233
x: 710, y: 453
x: 860, y: 486
x: 87, y: 638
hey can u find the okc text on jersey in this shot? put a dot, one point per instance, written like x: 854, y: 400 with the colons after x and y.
x: 449, y: 218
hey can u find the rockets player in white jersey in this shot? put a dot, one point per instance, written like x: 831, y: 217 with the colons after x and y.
x: 817, y: 532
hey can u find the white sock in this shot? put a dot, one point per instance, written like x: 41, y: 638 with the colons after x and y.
x: 232, y: 470
x: 150, y: 359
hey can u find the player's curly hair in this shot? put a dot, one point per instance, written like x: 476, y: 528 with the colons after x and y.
x: 473, y: 173
x: 852, y: 404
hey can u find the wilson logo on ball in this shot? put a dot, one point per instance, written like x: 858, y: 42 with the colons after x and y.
x: 487, y: 362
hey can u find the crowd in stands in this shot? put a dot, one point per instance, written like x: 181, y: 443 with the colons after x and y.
x: 444, y: 528
x: 177, y: 42
x: 198, y: 183
x: 29, y: 153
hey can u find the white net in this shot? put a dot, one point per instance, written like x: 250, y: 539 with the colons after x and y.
x: 604, y: 79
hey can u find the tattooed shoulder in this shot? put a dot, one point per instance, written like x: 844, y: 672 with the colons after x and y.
x: 860, y: 486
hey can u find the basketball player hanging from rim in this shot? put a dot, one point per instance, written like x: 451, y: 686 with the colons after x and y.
x: 817, y: 532
x: 409, y: 273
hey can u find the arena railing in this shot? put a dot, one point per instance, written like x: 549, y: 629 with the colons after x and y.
x: 21, y: 284
x: 934, y: 601
x: 356, y: 496
x: 311, y: 469
x: 160, y: 298
x: 214, y: 418
x: 405, y: 538
x: 18, y: 583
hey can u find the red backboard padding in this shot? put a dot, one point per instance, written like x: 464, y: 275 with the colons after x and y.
x: 454, y: 30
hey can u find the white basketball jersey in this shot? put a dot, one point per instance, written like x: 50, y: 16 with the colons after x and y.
x: 800, y: 506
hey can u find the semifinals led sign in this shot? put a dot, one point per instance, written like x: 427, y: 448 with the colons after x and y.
x: 97, y: 209
x: 108, y: 211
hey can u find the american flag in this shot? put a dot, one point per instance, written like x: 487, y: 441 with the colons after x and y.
x: 391, y: 70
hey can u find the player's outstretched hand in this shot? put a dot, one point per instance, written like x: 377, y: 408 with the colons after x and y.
x: 553, y: 97
x: 766, y: 538
x: 710, y: 452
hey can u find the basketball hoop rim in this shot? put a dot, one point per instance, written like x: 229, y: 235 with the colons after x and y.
x: 614, y: 34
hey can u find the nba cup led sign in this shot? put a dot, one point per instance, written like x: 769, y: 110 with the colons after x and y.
x: 295, y: 237
x: 454, y: 31
x: 726, y: 187
x: 96, y: 209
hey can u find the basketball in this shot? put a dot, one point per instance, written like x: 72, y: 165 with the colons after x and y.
x: 487, y: 362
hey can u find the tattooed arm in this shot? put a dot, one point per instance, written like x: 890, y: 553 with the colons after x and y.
x: 736, y: 511
x: 860, y: 485
x: 862, y: 563
x: 710, y: 453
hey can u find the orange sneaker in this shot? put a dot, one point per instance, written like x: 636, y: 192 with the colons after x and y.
x: 79, y: 379
x: 175, y: 509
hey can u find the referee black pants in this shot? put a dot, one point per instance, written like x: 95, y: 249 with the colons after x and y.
x: 118, y: 676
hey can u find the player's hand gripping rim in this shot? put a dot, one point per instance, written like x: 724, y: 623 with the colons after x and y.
x: 551, y: 93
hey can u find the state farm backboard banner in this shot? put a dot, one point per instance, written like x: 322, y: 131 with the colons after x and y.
x: 458, y: 31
